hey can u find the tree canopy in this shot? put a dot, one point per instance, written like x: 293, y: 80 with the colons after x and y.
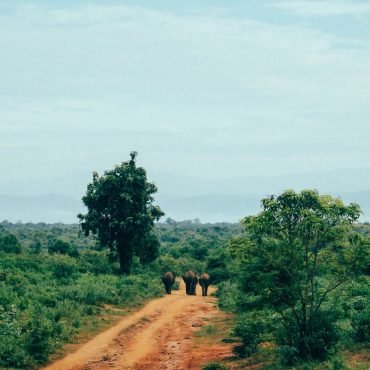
x: 121, y: 212
x: 298, y: 250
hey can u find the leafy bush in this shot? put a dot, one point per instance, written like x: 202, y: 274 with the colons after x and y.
x: 214, y: 366
x: 216, y: 266
x: 361, y: 325
x: 38, y: 341
x: 10, y: 244
x: 250, y: 329
x: 228, y: 296
x: 12, y: 353
x: 338, y: 363
x: 96, y: 262
x: 360, y: 303
x: 321, y: 337
x: 63, y: 268
x: 288, y: 355
x: 62, y: 247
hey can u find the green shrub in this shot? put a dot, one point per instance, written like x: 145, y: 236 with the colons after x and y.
x: 62, y: 247
x: 186, y: 263
x: 216, y: 266
x: 89, y: 310
x: 39, y: 333
x: 12, y: 351
x: 214, y: 366
x: 360, y: 303
x: 165, y: 263
x: 86, y: 290
x: 96, y: 262
x: 361, y: 325
x: 35, y: 247
x: 10, y: 244
x: 288, y: 355
x: 338, y: 363
x: 321, y: 337
x: 228, y: 296
x: 250, y: 329
x: 63, y: 268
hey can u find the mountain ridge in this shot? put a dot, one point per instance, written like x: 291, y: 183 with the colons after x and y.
x: 55, y: 208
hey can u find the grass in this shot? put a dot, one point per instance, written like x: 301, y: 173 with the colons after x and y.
x: 358, y: 358
x: 90, y: 328
x: 54, y: 298
x: 217, y: 329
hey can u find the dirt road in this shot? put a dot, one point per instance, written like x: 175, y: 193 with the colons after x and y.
x: 157, y: 337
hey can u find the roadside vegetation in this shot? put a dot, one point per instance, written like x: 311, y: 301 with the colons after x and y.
x: 55, y: 283
x: 47, y: 298
x: 55, y: 295
x: 299, y: 284
x: 296, y: 276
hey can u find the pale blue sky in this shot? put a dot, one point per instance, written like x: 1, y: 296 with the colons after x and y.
x: 212, y: 89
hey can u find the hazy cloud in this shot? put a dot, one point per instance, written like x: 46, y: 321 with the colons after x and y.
x: 83, y: 85
x: 324, y: 7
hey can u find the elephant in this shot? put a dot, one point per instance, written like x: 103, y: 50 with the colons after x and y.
x: 168, y: 279
x: 191, y: 281
x: 194, y: 285
x: 204, y: 281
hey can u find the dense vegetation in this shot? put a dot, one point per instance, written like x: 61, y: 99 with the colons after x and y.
x: 55, y: 283
x: 299, y: 280
x: 48, y: 297
x: 191, y: 245
x: 296, y: 276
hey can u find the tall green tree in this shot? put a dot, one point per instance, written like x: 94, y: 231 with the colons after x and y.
x: 121, y: 212
x: 298, y: 251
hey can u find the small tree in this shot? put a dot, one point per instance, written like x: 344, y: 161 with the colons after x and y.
x: 62, y: 247
x: 9, y: 243
x: 298, y: 250
x: 121, y: 212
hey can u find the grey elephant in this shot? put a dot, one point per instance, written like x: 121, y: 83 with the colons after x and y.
x: 191, y: 281
x: 168, y: 279
x: 204, y: 282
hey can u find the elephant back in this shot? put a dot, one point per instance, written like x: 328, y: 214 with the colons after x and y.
x: 204, y: 278
x: 189, y: 276
x: 168, y: 276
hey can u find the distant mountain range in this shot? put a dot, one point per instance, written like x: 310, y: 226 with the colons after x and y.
x: 50, y: 208
x: 232, y: 208
x: 57, y: 199
x: 333, y: 182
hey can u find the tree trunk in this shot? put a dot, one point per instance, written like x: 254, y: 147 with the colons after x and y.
x: 125, y: 259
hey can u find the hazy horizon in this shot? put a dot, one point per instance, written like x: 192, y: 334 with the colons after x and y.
x: 58, y: 199
x: 212, y: 90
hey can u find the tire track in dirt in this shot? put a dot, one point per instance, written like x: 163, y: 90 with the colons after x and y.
x: 157, y: 337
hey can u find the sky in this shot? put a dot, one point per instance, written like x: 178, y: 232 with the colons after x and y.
x: 211, y: 89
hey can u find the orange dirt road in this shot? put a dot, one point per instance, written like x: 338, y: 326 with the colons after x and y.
x: 157, y: 337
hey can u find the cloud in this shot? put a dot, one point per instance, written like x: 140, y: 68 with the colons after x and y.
x: 324, y: 7
x: 208, y: 85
